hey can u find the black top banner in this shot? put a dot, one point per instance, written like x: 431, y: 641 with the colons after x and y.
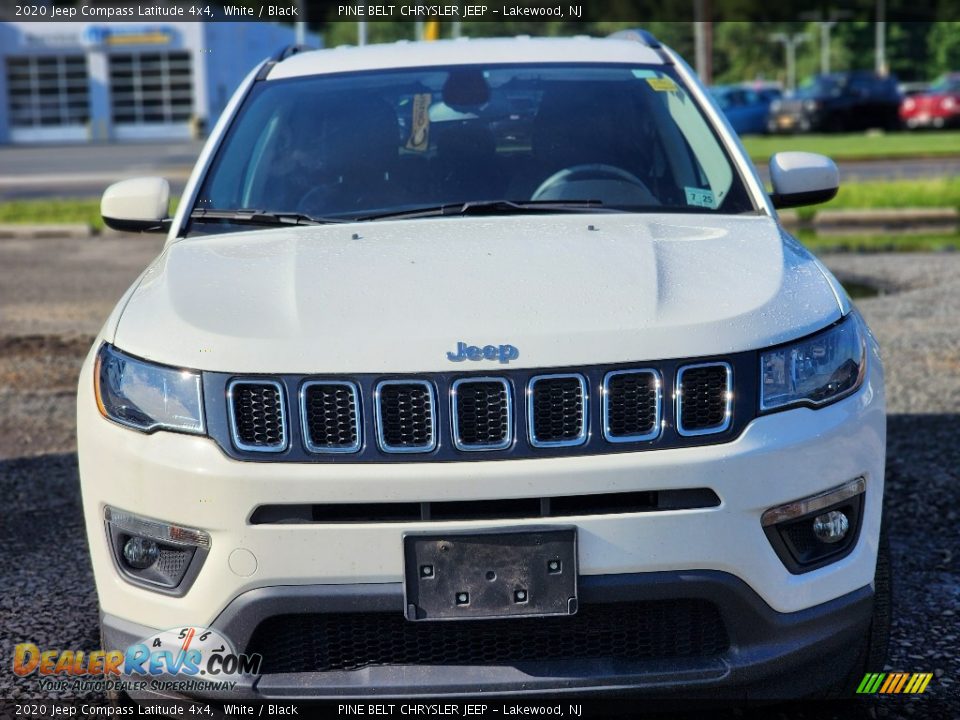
x: 321, y: 12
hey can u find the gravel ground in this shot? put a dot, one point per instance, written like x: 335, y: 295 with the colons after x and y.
x: 48, y: 596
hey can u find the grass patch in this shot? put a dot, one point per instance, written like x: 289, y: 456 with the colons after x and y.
x: 879, y: 243
x: 858, y: 146
x: 57, y: 211
x: 880, y: 194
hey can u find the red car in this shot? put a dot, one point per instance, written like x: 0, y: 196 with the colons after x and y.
x: 938, y: 107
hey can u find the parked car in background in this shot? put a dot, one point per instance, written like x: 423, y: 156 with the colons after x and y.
x: 908, y: 89
x: 937, y: 108
x: 745, y: 107
x: 839, y: 102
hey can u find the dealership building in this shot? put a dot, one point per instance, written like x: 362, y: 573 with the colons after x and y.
x: 116, y: 81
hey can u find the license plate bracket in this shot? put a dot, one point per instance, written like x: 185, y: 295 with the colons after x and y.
x: 496, y: 574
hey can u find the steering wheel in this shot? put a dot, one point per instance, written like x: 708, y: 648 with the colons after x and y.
x: 597, y: 171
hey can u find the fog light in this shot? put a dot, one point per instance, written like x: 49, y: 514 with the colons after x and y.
x: 831, y: 527
x: 155, y: 554
x: 140, y: 553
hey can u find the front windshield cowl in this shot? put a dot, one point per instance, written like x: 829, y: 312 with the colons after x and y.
x: 378, y: 143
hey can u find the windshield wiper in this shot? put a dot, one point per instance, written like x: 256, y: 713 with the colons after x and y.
x: 493, y: 207
x: 262, y: 217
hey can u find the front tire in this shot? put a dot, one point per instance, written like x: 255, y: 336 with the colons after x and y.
x: 872, y: 654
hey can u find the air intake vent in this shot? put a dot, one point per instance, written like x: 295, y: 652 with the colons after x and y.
x: 557, y: 410
x: 630, y: 633
x: 704, y: 398
x: 406, y: 420
x: 482, y: 414
x: 631, y: 405
x: 331, y: 418
x: 258, y: 418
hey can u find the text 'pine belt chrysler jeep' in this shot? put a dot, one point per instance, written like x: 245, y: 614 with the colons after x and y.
x: 484, y: 366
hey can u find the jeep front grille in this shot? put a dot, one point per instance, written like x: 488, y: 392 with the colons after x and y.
x: 258, y: 418
x: 515, y: 414
x: 704, y: 397
x: 631, y: 405
x: 557, y: 410
x: 406, y: 419
x: 331, y: 416
x: 482, y: 414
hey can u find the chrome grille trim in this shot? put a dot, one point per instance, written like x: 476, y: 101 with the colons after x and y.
x: 378, y: 418
x: 585, y: 411
x: 658, y: 412
x: 231, y: 416
x: 728, y: 400
x: 455, y: 420
x: 305, y: 419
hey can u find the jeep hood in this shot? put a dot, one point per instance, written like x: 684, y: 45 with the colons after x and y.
x: 397, y: 296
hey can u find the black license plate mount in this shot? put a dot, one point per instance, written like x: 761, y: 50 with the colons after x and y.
x: 495, y: 574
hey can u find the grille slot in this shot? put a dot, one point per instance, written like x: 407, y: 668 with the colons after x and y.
x: 509, y: 508
x: 704, y: 398
x: 258, y: 416
x: 482, y: 414
x: 617, y: 631
x: 330, y: 413
x: 406, y: 420
x: 557, y: 410
x: 631, y: 405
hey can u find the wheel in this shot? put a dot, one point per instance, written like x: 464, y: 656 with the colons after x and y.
x: 872, y: 655
x: 599, y: 171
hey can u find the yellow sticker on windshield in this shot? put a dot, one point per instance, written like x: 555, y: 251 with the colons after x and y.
x: 662, y: 84
x: 419, y: 138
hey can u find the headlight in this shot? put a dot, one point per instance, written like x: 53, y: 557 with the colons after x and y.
x: 146, y: 396
x: 817, y: 370
x: 948, y: 103
x: 775, y: 106
x: 811, y: 105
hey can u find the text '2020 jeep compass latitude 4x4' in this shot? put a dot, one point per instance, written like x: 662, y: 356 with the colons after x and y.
x: 485, y: 366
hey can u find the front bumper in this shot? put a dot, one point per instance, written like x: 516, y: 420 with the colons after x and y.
x: 771, y: 655
x: 775, y: 618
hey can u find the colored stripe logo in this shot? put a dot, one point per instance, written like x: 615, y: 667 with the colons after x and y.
x: 894, y: 683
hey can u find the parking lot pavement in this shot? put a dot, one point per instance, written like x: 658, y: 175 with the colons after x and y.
x: 54, y: 294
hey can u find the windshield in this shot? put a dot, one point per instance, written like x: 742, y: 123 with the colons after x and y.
x: 361, y: 145
x: 822, y: 86
x: 946, y: 84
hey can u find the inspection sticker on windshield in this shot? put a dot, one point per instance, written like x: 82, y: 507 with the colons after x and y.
x: 700, y: 198
x: 662, y: 84
x: 420, y: 123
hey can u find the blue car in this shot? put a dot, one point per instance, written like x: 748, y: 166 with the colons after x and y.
x: 745, y: 107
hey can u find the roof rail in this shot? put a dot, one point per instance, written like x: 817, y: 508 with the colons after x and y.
x: 289, y: 51
x: 637, y: 35
x: 279, y: 56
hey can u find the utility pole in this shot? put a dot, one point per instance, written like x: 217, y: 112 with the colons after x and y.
x: 300, y: 27
x: 703, y: 40
x: 826, y: 21
x: 361, y: 32
x: 790, y: 43
x: 881, y: 38
x: 825, y: 27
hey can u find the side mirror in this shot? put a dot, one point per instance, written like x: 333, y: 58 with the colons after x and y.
x: 137, y: 205
x: 802, y: 178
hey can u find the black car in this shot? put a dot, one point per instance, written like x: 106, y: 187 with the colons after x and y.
x: 838, y: 102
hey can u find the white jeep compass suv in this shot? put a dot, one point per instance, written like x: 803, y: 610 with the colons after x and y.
x: 484, y: 366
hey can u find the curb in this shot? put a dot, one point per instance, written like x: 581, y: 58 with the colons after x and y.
x: 38, y: 232
x: 878, y: 219
x: 69, y: 231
